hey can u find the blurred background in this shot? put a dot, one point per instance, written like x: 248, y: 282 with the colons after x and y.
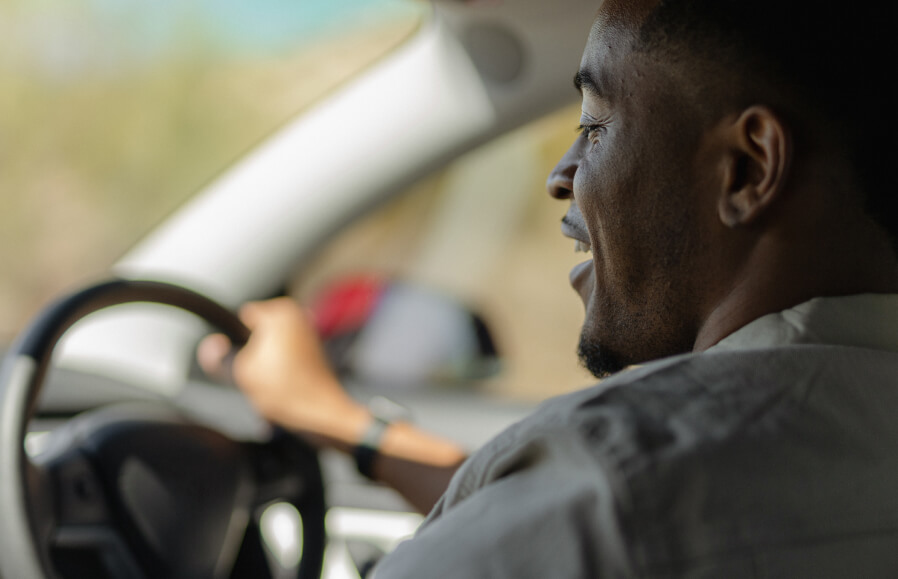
x: 114, y: 112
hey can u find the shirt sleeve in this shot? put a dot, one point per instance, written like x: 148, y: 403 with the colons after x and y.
x: 543, y: 508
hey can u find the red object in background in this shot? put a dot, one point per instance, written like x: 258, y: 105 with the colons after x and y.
x: 345, y: 306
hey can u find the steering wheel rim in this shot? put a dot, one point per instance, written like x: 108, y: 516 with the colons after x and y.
x: 21, y: 380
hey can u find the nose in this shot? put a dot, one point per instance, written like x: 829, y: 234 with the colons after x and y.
x: 560, y: 184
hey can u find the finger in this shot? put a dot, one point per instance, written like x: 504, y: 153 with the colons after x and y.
x: 250, y: 313
x: 211, y: 353
x: 273, y: 311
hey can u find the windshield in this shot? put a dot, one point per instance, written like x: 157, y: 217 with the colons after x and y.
x: 114, y: 112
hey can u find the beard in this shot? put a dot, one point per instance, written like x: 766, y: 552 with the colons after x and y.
x: 599, y: 360
x: 626, y: 336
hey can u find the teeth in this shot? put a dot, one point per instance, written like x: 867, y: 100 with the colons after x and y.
x: 582, y: 246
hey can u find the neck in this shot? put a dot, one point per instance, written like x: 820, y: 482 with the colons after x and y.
x: 782, y: 273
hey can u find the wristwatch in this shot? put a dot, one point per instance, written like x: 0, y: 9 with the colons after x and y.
x: 384, y: 412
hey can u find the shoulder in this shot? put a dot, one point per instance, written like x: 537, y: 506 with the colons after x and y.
x: 626, y: 422
x: 595, y: 479
x: 644, y: 428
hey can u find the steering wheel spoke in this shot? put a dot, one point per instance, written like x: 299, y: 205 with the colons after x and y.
x: 77, y: 495
x: 287, y: 472
x: 74, y: 526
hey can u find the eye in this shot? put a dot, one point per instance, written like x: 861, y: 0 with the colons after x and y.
x: 591, y: 132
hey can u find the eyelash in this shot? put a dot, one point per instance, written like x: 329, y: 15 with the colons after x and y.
x: 589, y: 131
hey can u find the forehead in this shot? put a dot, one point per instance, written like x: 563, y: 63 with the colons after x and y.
x: 611, y: 37
x: 628, y: 14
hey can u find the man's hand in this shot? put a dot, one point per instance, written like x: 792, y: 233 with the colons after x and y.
x: 285, y: 374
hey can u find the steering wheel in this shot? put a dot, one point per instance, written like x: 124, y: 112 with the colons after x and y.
x: 140, y: 491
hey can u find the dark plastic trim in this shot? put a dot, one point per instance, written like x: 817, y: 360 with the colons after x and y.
x: 21, y: 382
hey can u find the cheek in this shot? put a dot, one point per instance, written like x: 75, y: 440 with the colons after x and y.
x: 592, y: 199
x: 608, y: 197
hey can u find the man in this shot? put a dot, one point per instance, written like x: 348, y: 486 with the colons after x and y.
x: 731, y: 181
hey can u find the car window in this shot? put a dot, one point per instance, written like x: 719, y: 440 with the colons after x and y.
x: 482, y: 231
x: 113, y: 112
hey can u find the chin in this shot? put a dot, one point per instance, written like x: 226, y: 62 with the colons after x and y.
x: 600, y: 360
x: 594, y: 351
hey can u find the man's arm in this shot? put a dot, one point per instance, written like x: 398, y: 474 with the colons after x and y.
x: 532, y: 503
x: 286, y: 376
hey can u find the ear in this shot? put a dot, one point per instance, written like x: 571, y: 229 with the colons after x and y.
x: 756, y: 167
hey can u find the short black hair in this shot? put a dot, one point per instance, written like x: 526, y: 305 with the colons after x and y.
x: 832, y: 63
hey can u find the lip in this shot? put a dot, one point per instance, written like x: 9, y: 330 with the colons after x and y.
x: 571, y: 228
x: 579, y: 273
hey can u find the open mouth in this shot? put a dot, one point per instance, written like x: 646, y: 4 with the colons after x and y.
x: 572, y: 226
x: 579, y: 276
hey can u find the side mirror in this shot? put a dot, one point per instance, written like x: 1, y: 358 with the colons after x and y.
x: 401, y: 335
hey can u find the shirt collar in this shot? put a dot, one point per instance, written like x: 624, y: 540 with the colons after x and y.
x: 864, y: 321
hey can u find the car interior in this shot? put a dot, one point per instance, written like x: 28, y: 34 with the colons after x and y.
x: 407, y: 208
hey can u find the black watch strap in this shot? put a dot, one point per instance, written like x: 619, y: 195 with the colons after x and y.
x: 366, y: 451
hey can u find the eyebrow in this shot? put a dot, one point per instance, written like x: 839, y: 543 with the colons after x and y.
x: 585, y: 81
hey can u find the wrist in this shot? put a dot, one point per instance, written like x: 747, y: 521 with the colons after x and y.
x: 383, y: 415
x: 366, y: 451
x: 338, y: 423
x: 345, y: 425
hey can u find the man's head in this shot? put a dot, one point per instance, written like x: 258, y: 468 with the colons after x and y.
x: 726, y: 145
